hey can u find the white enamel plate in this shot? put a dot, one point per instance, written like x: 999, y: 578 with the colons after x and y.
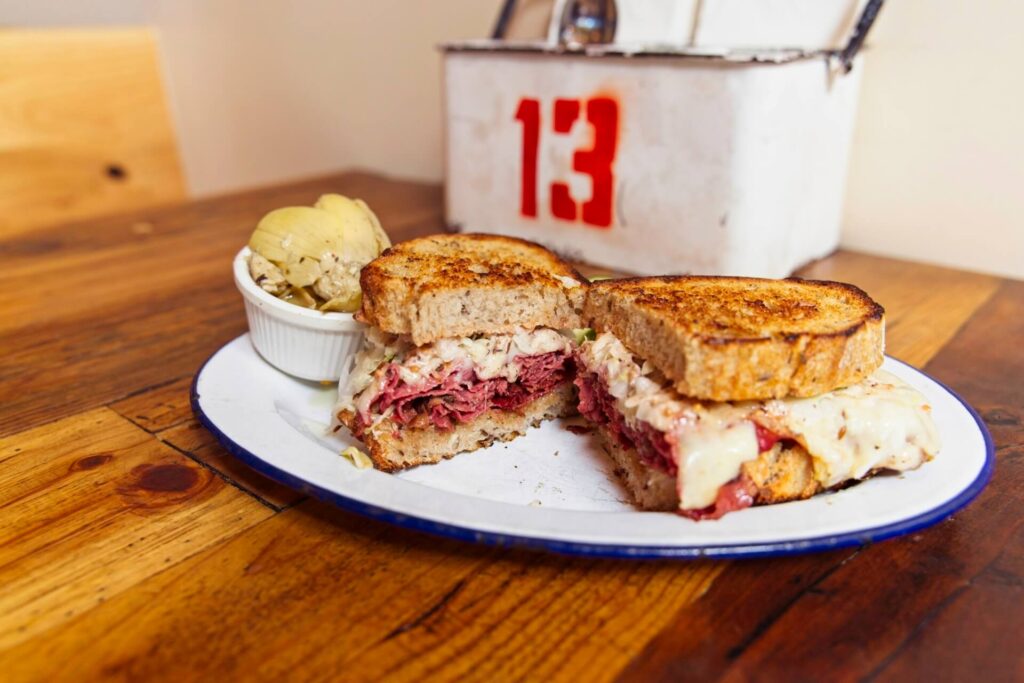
x: 553, y: 489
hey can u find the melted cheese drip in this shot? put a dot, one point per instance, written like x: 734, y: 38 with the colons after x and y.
x: 715, y: 447
x: 711, y: 441
x: 880, y: 423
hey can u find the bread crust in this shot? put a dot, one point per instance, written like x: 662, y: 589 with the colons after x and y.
x: 650, y: 489
x: 459, y: 285
x: 733, y: 339
x: 394, y: 447
x: 779, y: 475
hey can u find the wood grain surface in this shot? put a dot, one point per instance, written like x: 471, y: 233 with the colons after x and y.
x: 132, y: 547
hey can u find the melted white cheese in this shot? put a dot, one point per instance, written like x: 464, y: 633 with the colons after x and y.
x: 880, y: 423
x: 710, y: 441
x: 714, y: 448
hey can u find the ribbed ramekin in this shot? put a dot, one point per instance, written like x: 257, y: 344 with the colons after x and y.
x: 299, y: 341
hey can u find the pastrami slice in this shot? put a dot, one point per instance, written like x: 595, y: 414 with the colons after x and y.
x: 459, y: 395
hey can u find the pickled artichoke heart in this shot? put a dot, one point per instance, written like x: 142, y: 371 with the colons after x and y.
x: 339, y: 279
x: 299, y: 296
x: 298, y: 231
x: 301, y: 271
x: 339, y: 285
x: 383, y: 241
x: 359, y: 238
x: 265, y: 274
x: 344, y: 304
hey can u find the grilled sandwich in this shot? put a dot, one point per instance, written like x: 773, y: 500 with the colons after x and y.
x: 469, y: 343
x: 712, y: 394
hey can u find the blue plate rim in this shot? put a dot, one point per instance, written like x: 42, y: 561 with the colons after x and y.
x: 619, y: 551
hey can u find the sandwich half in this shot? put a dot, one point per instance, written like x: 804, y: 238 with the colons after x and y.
x: 712, y: 394
x: 469, y: 343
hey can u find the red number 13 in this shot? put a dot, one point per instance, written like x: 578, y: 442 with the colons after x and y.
x: 603, y: 115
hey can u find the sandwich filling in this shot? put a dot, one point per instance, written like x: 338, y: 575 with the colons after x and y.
x: 878, y: 424
x: 455, y: 380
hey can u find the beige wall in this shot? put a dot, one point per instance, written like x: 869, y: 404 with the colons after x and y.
x: 270, y: 90
x: 937, y: 172
x: 267, y: 90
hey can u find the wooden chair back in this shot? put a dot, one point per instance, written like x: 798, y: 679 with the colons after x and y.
x: 84, y: 126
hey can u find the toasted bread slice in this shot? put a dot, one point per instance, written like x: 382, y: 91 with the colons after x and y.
x: 393, y: 448
x: 733, y: 339
x: 779, y: 475
x: 650, y: 489
x: 459, y: 285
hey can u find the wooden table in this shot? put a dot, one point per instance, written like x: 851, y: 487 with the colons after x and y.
x: 133, y: 547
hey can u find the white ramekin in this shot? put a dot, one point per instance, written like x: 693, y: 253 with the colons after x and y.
x: 299, y: 341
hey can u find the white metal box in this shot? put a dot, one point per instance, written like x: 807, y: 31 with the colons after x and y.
x: 688, y: 161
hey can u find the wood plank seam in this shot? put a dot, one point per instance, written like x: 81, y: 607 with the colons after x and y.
x: 929, y: 617
x: 154, y: 432
x: 138, y: 392
x: 229, y: 480
x: 766, y: 623
x: 966, y: 321
x: 108, y: 406
x: 151, y: 387
x: 934, y: 613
